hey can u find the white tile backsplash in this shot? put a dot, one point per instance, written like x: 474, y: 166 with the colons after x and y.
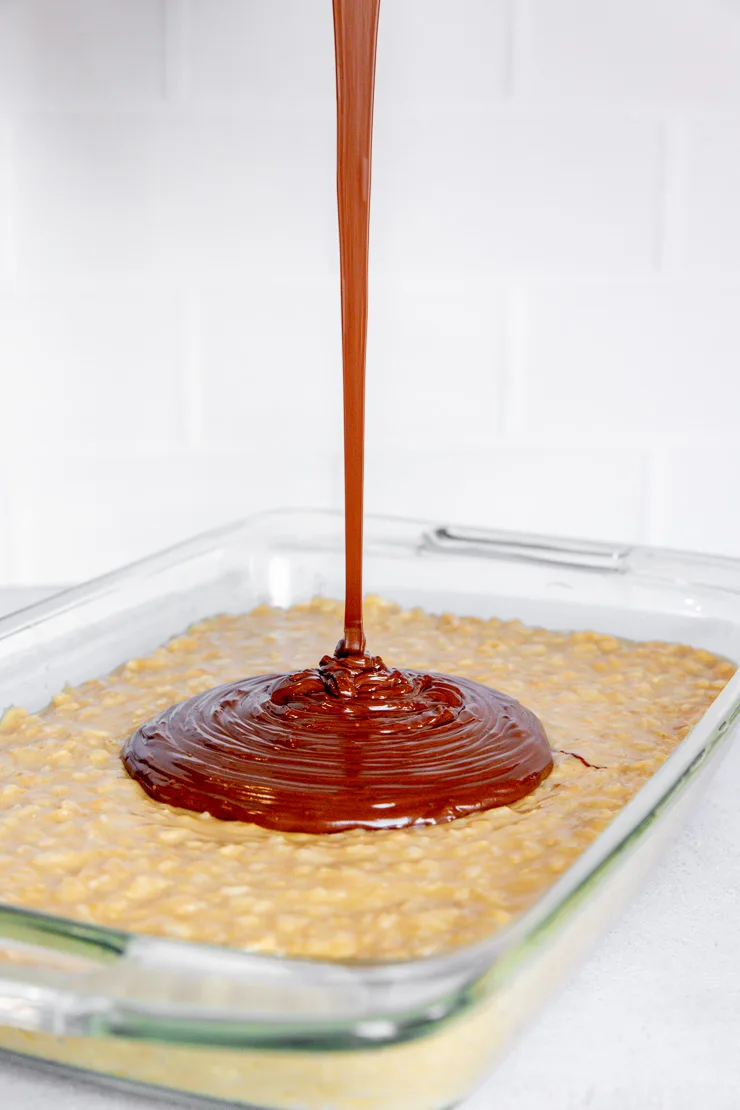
x: 86, y: 194
x: 269, y: 367
x: 670, y: 54
x: 260, y: 51
x: 7, y: 213
x: 435, y: 365
x: 465, y: 190
x: 246, y: 194
x: 91, y: 368
x: 565, y: 491
x: 433, y: 53
x: 645, y: 363
x: 172, y: 197
x: 698, y: 488
x: 712, y: 189
x: 118, y: 508
x: 91, y: 52
x: 555, y: 270
x: 6, y: 535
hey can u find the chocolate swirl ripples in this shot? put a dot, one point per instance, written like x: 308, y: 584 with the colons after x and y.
x: 350, y: 744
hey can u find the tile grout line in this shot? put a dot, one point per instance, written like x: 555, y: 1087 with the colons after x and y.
x: 10, y: 269
x: 17, y: 525
x: 513, y: 347
x: 668, y: 241
x: 176, y: 57
x: 654, y: 490
x: 9, y: 558
x: 191, y: 393
x: 517, y: 37
x: 503, y: 378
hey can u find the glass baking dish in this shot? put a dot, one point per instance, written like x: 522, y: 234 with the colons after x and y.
x: 261, y: 1031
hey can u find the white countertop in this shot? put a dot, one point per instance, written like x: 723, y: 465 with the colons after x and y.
x: 652, y: 1022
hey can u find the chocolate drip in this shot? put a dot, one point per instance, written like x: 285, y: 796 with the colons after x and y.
x: 352, y: 743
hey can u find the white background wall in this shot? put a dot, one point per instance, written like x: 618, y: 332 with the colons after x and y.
x: 555, y: 270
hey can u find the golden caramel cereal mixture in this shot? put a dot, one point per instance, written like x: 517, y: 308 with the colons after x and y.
x: 79, y: 838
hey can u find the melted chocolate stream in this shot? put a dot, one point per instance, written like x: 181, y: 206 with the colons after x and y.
x: 351, y: 743
x: 355, y: 42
